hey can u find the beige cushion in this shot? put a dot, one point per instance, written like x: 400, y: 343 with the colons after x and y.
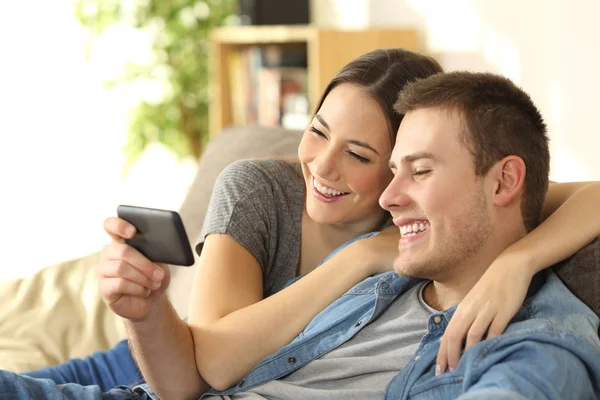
x: 55, y: 315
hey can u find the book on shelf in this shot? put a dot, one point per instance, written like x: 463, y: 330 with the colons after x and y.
x: 237, y: 82
x: 269, y: 87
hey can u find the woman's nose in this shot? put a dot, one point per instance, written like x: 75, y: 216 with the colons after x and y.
x: 327, y: 166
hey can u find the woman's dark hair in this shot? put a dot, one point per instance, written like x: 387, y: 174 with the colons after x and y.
x: 383, y: 74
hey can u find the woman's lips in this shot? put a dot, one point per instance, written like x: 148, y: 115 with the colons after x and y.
x: 325, y: 199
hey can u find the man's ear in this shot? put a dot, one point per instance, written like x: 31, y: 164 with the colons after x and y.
x: 509, y: 176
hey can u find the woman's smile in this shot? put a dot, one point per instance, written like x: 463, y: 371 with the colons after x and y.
x: 326, y: 193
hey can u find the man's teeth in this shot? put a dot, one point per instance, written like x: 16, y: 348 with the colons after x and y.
x: 414, y: 229
x: 325, y: 190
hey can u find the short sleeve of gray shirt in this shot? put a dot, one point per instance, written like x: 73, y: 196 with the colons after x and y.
x: 259, y: 203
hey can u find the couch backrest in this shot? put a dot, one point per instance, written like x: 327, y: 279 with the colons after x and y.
x: 581, y: 274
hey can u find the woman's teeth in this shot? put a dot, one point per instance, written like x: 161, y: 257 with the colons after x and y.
x: 414, y: 229
x: 325, y: 190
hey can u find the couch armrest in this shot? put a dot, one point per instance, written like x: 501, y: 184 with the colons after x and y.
x: 54, y: 315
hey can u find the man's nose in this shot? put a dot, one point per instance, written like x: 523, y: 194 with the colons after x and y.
x: 395, y: 195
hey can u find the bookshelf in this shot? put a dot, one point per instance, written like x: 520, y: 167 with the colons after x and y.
x: 326, y: 51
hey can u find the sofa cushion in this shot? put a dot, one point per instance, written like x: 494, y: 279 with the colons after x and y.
x: 581, y: 274
x: 232, y: 144
x: 54, y: 315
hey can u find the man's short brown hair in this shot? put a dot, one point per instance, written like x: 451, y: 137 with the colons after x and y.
x: 500, y: 120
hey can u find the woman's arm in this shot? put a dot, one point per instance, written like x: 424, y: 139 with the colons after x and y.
x: 133, y: 287
x: 571, y: 221
x: 230, y: 327
x: 232, y: 332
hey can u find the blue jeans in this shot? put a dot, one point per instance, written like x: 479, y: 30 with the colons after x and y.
x: 21, y: 387
x: 106, y: 370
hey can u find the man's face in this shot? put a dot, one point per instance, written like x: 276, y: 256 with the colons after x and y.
x: 435, y: 198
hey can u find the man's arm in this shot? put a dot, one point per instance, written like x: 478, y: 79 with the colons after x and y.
x: 535, y: 369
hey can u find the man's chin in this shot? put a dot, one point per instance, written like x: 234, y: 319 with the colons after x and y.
x: 413, y: 269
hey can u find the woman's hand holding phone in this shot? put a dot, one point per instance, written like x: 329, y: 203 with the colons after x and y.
x: 129, y: 283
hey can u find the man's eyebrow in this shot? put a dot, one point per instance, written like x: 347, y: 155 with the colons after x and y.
x: 418, y: 156
x: 414, y: 157
x: 351, y: 141
x: 322, y: 121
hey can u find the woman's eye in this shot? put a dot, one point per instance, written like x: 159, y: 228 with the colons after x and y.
x: 317, y: 132
x: 359, y: 158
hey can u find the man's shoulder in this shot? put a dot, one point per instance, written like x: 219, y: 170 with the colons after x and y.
x: 553, y: 313
x: 552, y: 333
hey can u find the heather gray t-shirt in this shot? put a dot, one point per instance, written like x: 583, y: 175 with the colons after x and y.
x: 259, y: 203
x: 362, y: 367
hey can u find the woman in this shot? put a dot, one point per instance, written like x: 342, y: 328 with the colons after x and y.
x: 268, y: 224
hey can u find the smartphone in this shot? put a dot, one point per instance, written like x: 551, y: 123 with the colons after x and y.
x: 160, y: 234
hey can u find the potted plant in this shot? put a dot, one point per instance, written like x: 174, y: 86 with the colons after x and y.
x: 179, y: 31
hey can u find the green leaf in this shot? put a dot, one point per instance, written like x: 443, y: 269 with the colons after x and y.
x: 180, y: 32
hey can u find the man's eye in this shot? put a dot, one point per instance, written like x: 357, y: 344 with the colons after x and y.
x: 317, y: 132
x: 421, y: 172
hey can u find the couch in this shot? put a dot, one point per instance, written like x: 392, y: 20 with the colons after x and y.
x: 57, y: 314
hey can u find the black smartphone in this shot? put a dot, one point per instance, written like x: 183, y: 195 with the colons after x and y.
x: 160, y: 234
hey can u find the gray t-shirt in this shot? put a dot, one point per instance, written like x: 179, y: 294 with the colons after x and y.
x: 361, y: 368
x: 259, y: 203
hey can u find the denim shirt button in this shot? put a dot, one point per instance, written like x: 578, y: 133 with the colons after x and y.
x: 242, y: 382
x: 292, y: 360
x: 437, y: 319
x: 356, y: 325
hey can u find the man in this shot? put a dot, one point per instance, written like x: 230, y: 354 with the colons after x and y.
x: 470, y: 173
x: 470, y: 168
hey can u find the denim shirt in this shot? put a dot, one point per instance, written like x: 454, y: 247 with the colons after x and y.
x: 550, y: 349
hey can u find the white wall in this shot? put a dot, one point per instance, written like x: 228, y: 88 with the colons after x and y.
x: 551, y: 48
x: 61, y: 135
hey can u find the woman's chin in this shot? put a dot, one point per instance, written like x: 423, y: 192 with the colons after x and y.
x: 321, y: 216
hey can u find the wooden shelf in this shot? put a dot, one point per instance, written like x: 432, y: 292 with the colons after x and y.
x: 274, y: 34
x: 328, y: 50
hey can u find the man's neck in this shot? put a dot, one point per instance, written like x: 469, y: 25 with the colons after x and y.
x: 441, y: 295
x: 449, y: 290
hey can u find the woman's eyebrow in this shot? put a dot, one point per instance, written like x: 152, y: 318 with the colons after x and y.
x: 322, y: 121
x: 362, y: 144
x: 351, y: 141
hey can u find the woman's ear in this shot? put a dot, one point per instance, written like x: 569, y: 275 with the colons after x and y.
x: 509, y: 175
